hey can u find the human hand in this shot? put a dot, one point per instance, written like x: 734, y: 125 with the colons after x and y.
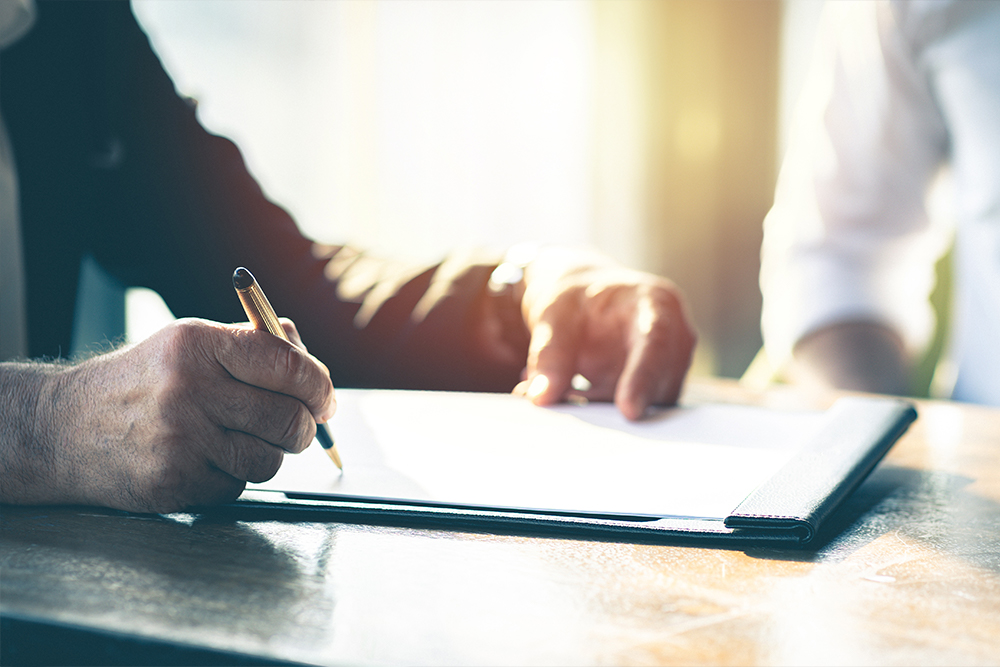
x: 855, y: 355
x: 625, y: 331
x: 186, y: 417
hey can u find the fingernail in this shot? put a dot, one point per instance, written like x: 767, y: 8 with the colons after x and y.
x: 539, y: 385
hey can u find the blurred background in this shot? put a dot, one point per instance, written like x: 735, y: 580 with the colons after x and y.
x: 649, y: 129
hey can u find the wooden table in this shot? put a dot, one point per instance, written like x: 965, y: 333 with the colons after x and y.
x: 909, y: 574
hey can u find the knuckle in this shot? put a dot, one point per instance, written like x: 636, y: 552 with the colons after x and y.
x: 185, y: 344
x: 602, y: 295
x: 185, y: 334
x: 311, y: 383
x: 289, y: 362
x: 563, y: 301
x: 665, y: 296
x: 671, y: 321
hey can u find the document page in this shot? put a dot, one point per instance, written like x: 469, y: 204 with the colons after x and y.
x: 500, y: 451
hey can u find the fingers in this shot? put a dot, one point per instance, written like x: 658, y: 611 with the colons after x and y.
x: 246, y: 458
x: 259, y: 359
x: 216, y: 487
x: 276, y: 419
x: 186, y: 417
x: 258, y: 396
x: 626, y: 332
x: 552, y: 353
x: 206, y: 486
x: 293, y: 333
x: 653, y: 375
x: 659, y: 357
x: 168, y: 486
x: 201, y: 465
x: 293, y: 336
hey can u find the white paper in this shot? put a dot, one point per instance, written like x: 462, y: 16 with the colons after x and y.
x: 496, y: 450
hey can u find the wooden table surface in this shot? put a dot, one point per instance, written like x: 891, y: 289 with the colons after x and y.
x: 908, y: 574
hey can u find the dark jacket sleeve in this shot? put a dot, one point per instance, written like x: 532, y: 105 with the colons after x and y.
x: 114, y: 163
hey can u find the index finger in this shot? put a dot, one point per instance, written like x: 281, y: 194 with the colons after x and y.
x: 657, y: 362
x: 552, y: 356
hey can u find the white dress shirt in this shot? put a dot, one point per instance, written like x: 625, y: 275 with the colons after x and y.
x: 897, y: 91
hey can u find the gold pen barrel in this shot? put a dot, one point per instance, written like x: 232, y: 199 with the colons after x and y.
x: 259, y: 310
x: 262, y: 316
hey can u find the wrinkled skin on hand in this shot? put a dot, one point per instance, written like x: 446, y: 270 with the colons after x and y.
x: 625, y: 331
x: 184, y: 418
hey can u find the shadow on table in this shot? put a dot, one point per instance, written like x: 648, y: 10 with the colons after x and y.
x: 141, y: 573
x: 932, y: 508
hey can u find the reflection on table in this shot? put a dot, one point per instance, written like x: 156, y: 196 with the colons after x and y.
x: 908, y: 572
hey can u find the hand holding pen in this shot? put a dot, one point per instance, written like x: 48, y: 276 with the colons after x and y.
x: 183, y: 418
x: 263, y: 317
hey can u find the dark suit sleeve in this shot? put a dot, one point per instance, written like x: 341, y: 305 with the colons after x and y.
x: 173, y: 207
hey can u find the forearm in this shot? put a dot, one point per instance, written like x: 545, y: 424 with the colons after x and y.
x: 28, y: 436
x: 411, y: 326
x: 858, y: 356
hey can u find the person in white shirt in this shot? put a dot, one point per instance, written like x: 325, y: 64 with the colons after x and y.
x: 898, y: 92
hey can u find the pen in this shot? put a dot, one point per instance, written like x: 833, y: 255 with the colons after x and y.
x: 262, y: 316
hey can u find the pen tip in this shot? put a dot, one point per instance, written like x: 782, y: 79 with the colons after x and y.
x: 242, y: 278
x: 335, y: 457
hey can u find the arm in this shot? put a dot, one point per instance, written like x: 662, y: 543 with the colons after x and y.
x: 859, y: 356
x: 174, y: 208
x: 186, y: 417
x: 374, y: 322
x: 180, y: 211
x: 848, y: 254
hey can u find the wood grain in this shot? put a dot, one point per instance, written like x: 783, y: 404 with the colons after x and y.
x: 909, y: 573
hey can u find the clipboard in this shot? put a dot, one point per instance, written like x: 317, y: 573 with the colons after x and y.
x: 497, y: 463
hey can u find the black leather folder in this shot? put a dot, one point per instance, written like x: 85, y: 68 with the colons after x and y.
x: 789, y: 505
